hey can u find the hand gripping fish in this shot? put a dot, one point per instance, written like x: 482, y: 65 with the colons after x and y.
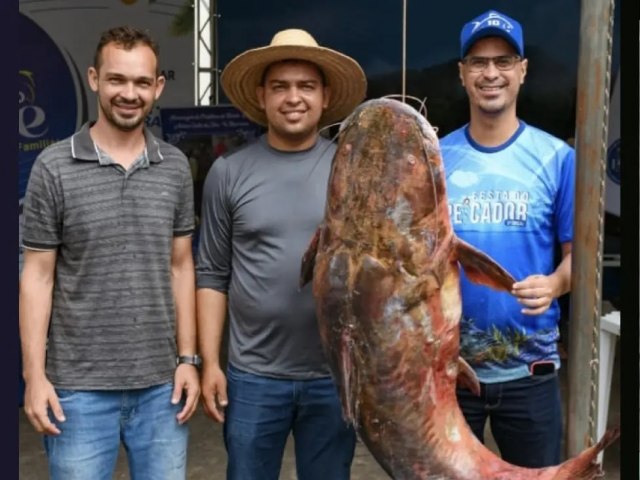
x: 385, y: 269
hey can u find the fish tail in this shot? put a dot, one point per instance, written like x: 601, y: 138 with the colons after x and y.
x: 584, y: 466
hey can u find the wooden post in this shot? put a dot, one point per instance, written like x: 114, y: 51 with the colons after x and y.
x: 594, y: 72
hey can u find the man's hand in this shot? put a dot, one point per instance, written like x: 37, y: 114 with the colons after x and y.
x: 535, y: 293
x: 186, y: 380
x: 39, y: 396
x: 214, y: 392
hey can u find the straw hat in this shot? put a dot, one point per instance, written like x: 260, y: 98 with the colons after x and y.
x: 343, y: 74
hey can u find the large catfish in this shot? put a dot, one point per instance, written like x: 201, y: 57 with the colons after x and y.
x: 385, y: 269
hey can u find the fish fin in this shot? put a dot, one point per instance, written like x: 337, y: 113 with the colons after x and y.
x: 348, y: 392
x: 372, y: 286
x: 309, y: 258
x: 481, y: 268
x: 467, y: 378
x: 584, y: 466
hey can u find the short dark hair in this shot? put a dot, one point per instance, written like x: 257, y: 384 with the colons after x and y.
x: 292, y: 60
x: 126, y: 37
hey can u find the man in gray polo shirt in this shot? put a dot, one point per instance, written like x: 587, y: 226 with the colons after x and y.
x: 107, y: 300
x: 261, y: 206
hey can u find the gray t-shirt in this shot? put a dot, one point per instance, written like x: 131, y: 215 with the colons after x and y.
x: 113, y: 315
x: 260, y: 210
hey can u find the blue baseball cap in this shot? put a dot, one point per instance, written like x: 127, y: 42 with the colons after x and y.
x: 491, y: 24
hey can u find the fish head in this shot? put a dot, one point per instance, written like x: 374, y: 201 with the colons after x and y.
x: 387, y: 165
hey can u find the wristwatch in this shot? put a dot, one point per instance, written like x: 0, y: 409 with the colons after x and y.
x: 194, y: 360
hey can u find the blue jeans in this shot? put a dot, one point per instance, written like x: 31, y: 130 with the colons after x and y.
x: 263, y: 411
x: 525, y: 417
x: 144, y: 420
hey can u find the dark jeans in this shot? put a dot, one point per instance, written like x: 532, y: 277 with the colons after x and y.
x: 263, y: 411
x: 525, y: 417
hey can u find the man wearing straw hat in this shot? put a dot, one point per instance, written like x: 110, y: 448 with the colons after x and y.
x: 261, y: 205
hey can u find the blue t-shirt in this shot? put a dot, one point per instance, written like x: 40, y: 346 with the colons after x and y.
x: 514, y: 202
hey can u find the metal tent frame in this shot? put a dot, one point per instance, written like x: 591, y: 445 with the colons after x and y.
x: 206, y: 71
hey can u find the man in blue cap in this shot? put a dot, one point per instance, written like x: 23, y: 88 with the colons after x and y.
x: 511, y: 189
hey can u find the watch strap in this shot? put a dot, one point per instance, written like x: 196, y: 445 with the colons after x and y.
x: 189, y: 360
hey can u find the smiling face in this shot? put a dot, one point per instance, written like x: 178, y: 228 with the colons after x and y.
x: 492, y: 91
x: 126, y: 84
x: 293, y: 97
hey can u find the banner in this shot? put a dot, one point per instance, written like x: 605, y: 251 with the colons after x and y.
x: 203, y: 134
x: 612, y: 186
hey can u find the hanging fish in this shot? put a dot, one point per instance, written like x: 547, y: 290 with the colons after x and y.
x: 385, y: 269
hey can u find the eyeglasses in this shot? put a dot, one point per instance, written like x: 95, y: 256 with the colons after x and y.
x: 502, y: 62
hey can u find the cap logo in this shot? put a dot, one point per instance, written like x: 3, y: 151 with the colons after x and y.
x: 493, y: 20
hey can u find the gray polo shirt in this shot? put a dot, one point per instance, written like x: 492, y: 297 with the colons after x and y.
x: 260, y: 210
x: 113, y: 315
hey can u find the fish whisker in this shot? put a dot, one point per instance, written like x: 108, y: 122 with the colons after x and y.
x: 333, y: 139
x: 421, y: 103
